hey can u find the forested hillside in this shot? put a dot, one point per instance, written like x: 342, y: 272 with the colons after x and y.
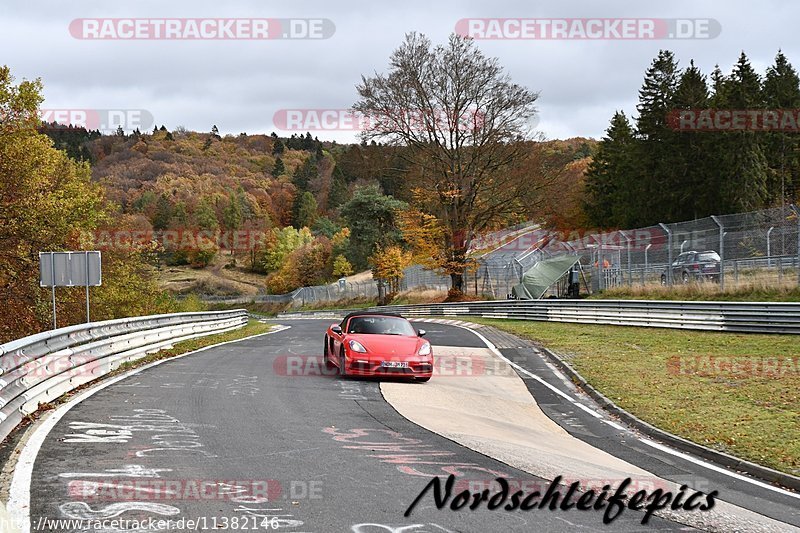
x: 310, y: 211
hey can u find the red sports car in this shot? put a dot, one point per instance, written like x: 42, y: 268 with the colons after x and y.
x: 378, y: 344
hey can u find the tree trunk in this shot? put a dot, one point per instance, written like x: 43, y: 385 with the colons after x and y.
x: 457, y: 281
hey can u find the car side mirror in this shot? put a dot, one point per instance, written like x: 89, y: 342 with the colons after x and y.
x: 336, y: 329
x: 421, y: 333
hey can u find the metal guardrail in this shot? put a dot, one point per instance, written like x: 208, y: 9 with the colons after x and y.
x: 744, y: 317
x: 40, y: 368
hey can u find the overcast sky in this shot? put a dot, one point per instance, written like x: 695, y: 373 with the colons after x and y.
x: 240, y: 84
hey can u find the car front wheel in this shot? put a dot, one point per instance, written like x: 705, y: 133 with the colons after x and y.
x: 325, y: 359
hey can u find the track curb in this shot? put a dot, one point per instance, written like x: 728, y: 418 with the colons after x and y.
x: 762, y: 472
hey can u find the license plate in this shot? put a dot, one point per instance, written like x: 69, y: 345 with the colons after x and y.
x: 394, y: 364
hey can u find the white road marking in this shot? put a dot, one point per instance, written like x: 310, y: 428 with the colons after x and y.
x: 19, y: 500
x: 590, y: 411
x: 661, y: 447
x: 614, y: 425
x: 716, y: 468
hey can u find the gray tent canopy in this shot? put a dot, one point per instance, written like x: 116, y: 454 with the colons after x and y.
x: 542, y: 275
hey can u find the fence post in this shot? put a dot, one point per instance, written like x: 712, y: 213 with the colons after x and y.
x: 769, y: 251
x: 669, y: 252
x: 630, y: 269
x: 721, y: 252
x: 797, y: 216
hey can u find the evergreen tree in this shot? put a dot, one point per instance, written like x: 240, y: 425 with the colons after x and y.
x: 163, y: 214
x: 205, y: 216
x: 608, y: 175
x: 782, y: 149
x: 718, y: 88
x: 742, y: 167
x: 338, y: 193
x: 372, y: 219
x: 180, y: 215
x: 215, y: 132
x: 306, y: 211
x: 279, y: 169
x: 232, y: 214
x: 656, y: 159
x: 304, y: 173
x: 696, y: 188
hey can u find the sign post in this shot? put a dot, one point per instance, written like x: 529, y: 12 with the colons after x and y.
x: 69, y: 269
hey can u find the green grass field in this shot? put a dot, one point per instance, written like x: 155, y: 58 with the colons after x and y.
x: 678, y: 380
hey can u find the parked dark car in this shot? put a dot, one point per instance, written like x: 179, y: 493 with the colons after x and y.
x: 694, y: 266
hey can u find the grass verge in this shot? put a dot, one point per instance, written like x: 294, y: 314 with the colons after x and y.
x: 253, y: 327
x: 747, y: 290
x: 736, y: 393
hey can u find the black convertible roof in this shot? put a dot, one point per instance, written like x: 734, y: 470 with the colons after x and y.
x: 370, y: 313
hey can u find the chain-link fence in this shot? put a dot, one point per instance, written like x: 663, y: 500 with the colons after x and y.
x: 760, y: 245
x: 415, y: 277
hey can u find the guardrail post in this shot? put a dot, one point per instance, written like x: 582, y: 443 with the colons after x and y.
x: 721, y: 252
x: 669, y: 252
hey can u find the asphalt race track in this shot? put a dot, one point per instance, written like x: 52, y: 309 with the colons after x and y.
x: 253, y: 436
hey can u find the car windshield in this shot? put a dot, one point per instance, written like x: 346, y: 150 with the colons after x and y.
x: 380, y: 325
x: 708, y: 256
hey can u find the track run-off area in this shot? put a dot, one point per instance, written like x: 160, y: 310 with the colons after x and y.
x: 257, y: 435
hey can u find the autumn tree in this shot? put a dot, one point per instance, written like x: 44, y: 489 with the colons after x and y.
x: 462, y: 121
x: 341, y: 266
x: 281, y: 243
x: 314, y: 264
x: 48, y: 202
x: 388, y: 265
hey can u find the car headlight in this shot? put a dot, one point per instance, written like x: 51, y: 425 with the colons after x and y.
x: 425, y: 349
x: 357, y: 347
